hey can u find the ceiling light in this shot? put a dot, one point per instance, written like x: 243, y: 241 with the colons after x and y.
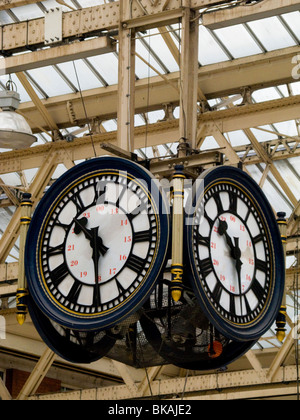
x: 15, y: 132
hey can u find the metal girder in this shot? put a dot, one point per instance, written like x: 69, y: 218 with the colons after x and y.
x: 242, y: 117
x: 8, y: 4
x: 37, y: 375
x: 242, y: 14
x: 136, y: 14
x: 4, y: 393
x: 214, y: 81
x: 37, y: 188
x: 58, y: 54
x: 194, y: 386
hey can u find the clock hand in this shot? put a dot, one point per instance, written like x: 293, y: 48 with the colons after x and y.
x: 238, y: 266
x: 222, y: 230
x: 81, y: 227
x: 94, y: 244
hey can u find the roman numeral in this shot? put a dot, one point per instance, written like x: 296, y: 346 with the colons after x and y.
x: 121, y: 195
x: 135, y: 263
x: 258, y: 290
x: 144, y: 236
x: 75, y: 197
x: 218, y: 202
x: 206, y: 267
x: 57, y: 250
x: 258, y: 239
x: 59, y: 274
x: 233, y: 202
x: 217, y: 292
x: 202, y: 240
x: 120, y: 287
x: 97, y: 296
x: 75, y: 292
x: 248, y: 309
x: 62, y: 225
x: 232, y: 305
x: 138, y: 210
x: 261, y: 265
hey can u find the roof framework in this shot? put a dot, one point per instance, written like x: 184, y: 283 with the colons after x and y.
x: 129, y: 77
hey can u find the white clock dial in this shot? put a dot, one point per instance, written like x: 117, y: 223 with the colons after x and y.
x: 232, y: 253
x: 99, y: 244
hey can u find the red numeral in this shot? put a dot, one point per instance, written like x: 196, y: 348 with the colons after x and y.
x: 74, y: 263
x: 222, y: 277
x: 71, y: 248
x: 248, y: 277
x: 114, y: 211
x: 123, y: 257
x: 124, y: 222
x: 112, y: 271
x: 127, y: 239
x: 232, y: 288
x: 232, y: 218
x: 242, y: 228
x: 87, y: 215
x: 83, y: 274
x: 216, y: 262
x: 213, y: 245
x: 100, y: 209
x: 251, y: 261
x: 249, y: 244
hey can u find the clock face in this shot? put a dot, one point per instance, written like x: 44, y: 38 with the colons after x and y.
x: 236, y: 254
x: 100, y: 245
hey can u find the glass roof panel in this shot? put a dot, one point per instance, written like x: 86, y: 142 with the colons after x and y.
x: 237, y: 138
x: 5, y: 18
x: 210, y: 51
x: 50, y: 80
x: 266, y: 135
x: 158, y: 44
x: 35, y: 12
x: 266, y: 94
x: 293, y: 19
x: 272, y: 190
x: 287, y: 128
x: 86, y: 79
x: 142, y: 69
x: 238, y: 41
x: 272, y: 33
x: 107, y: 66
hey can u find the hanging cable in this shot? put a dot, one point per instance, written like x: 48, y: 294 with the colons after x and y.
x: 84, y: 108
x: 185, y: 382
x: 296, y: 314
x: 148, y: 95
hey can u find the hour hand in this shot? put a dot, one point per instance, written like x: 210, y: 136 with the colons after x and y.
x: 92, y: 235
x: 222, y: 230
x: 80, y: 226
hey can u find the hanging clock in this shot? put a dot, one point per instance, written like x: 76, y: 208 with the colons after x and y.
x: 235, y: 253
x: 97, y: 243
x: 71, y: 345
